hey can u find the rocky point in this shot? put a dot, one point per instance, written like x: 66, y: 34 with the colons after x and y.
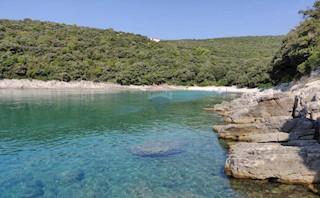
x: 277, y: 132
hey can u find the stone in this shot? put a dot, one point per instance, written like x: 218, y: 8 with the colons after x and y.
x: 315, y: 188
x: 266, y: 116
x: 289, y: 124
x: 239, y: 117
x: 158, y: 148
x: 304, y: 124
x: 141, y: 190
x: 273, y: 107
x: 299, y: 134
x: 269, y: 137
x: 217, y: 128
x: 273, y: 130
x: 299, y: 143
x: 272, y: 161
x: 224, y: 106
x: 274, y: 95
x: 280, y: 123
x: 307, y: 137
x: 315, y: 105
x: 34, y: 189
x: 240, y: 132
x: 72, y: 176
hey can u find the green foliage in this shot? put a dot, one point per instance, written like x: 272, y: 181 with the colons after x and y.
x: 46, y: 51
x: 312, y: 63
x: 266, y: 85
x: 241, y: 61
x: 300, y: 50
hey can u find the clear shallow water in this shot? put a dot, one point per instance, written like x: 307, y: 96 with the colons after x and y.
x: 77, y: 144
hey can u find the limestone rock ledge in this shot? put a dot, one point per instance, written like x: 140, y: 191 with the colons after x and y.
x: 276, y: 129
x: 273, y: 161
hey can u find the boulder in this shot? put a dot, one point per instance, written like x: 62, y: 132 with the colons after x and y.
x: 301, y: 143
x: 220, y: 108
x: 280, y: 123
x: 270, y: 95
x: 274, y: 116
x: 71, y: 176
x: 301, y: 134
x: 272, y: 107
x: 240, y: 116
x: 227, y: 107
x: 288, y: 125
x: 273, y: 129
x: 273, y: 161
x: 217, y: 128
x: 269, y: 137
x: 262, y: 106
x: 33, y: 189
x: 240, y: 132
x: 158, y: 148
x: 304, y: 124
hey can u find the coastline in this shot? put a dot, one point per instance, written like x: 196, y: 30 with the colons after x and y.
x: 272, y: 130
x: 74, y: 85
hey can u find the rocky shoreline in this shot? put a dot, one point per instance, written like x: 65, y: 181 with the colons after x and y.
x: 276, y: 134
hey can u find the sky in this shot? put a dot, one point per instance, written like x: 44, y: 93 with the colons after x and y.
x: 167, y: 19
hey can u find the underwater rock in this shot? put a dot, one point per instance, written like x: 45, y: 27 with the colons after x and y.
x: 157, y: 148
x: 72, y: 176
x: 34, y: 189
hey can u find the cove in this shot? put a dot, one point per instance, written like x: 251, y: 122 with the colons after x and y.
x: 56, y: 143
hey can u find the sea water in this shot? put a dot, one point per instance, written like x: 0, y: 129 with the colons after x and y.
x: 59, y: 143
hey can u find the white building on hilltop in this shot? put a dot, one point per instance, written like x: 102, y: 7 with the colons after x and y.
x: 155, y: 39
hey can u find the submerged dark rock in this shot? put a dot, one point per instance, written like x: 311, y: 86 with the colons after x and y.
x: 158, y: 148
x: 72, y: 176
x: 33, y: 189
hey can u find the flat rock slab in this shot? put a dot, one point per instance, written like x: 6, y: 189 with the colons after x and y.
x: 158, y: 148
x: 240, y: 132
x: 273, y: 161
x: 269, y: 137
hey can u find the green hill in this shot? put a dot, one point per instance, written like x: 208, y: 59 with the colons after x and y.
x: 45, y: 50
x: 300, y: 51
x: 242, y: 61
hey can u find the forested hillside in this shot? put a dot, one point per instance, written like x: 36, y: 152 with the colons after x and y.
x: 300, y: 50
x: 45, y: 50
x: 242, y: 61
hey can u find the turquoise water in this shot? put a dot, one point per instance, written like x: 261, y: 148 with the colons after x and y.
x: 80, y: 143
x: 77, y: 144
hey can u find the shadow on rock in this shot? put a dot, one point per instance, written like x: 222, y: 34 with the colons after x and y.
x: 265, y: 189
x: 279, y: 134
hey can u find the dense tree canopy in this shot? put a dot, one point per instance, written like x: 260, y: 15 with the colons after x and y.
x: 242, y: 61
x: 300, y: 50
x: 45, y: 50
